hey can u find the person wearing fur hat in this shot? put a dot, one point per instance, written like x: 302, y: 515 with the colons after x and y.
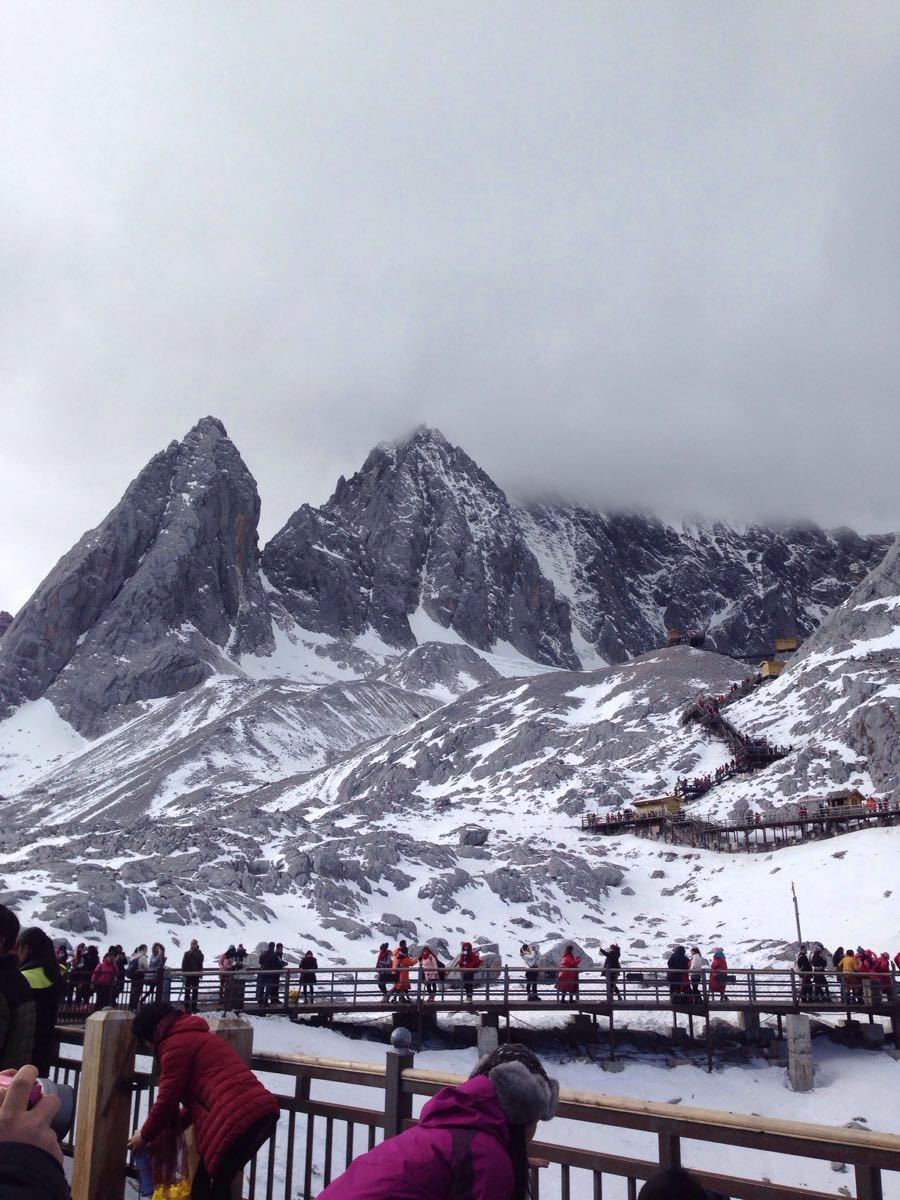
x: 471, y: 1139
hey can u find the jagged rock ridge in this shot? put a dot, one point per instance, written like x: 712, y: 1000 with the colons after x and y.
x: 419, y: 544
x: 629, y: 578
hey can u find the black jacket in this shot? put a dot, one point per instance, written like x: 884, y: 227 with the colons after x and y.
x: 27, y: 1173
x: 678, y: 963
x: 17, y: 1015
x: 46, y: 994
x: 192, y: 960
x: 611, y: 959
x: 269, y: 961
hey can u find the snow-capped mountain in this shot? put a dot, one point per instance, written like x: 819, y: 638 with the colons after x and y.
x: 380, y: 721
x: 419, y: 529
x: 838, y: 701
x: 154, y: 600
x: 420, y: 545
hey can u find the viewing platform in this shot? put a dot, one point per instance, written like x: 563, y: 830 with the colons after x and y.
x: 783, y: 827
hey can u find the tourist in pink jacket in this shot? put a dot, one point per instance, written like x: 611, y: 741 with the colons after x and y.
x: 471, y: 1142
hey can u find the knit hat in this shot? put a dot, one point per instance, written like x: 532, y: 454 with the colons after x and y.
x: 384, y: 946
x: 524, y: 1089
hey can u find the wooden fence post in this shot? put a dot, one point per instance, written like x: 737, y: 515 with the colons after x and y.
x: 103, y: 1125
x: 397, y: 1106
x: 669, y: 1151
x: 238, y: 1032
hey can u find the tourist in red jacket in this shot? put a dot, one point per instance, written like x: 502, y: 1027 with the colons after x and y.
x: 468, y: 963
x: 233, y: 1115
x: 718, y: 973
x: 567, y: 981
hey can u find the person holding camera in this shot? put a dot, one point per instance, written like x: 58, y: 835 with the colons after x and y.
x: 31, y: 1160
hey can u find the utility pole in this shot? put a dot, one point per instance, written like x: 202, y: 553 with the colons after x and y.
x: 796, y: 914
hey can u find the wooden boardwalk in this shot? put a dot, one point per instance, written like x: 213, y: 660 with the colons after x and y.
x: 782, y: 828
x: 496, y: 993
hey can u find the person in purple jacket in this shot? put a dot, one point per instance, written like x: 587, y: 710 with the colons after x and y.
x: 471, y: 1142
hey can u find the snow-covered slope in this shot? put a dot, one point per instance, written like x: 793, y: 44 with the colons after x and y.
x: 837, y: 703
x: 191, y: 755
x: 324, y: 776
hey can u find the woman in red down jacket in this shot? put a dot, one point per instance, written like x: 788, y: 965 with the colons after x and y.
x: 203, y: 1082
x: 568, y: 976
x: 105, y: 978
x: 468, y: 963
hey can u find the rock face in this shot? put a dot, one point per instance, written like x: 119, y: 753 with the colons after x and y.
x: 149, y: 602
x: 419, y: 529
x: 559, y: 741
x: 6, y: 619
x: 630, y: 578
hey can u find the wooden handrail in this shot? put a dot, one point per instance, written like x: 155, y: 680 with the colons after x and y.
x: 703, y: 1124
x: 335, y: 1070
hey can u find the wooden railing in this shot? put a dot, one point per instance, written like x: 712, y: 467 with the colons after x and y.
x: 504, y: 988
x: 319, y: 1134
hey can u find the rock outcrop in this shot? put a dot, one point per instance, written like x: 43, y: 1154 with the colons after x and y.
x: 6, y: 619
x: 153, y: 600
x: 439, y: 670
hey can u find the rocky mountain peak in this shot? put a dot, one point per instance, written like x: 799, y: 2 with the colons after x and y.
x: 420, y: 531
x: 147, y: 602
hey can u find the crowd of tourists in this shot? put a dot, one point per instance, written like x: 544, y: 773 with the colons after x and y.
x: 402, y: 974
x: 861, y: 976
x: 482, y: 1127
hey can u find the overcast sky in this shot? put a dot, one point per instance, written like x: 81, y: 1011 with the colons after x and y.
x: 635, y: 254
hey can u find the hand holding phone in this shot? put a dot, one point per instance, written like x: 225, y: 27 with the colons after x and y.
x: 27, y: 1112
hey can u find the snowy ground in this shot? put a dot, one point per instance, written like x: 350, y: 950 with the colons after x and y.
x: 851, y: 1085
x: 846, y: 888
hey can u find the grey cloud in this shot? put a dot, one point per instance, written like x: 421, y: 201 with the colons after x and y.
x: 639, y: 256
